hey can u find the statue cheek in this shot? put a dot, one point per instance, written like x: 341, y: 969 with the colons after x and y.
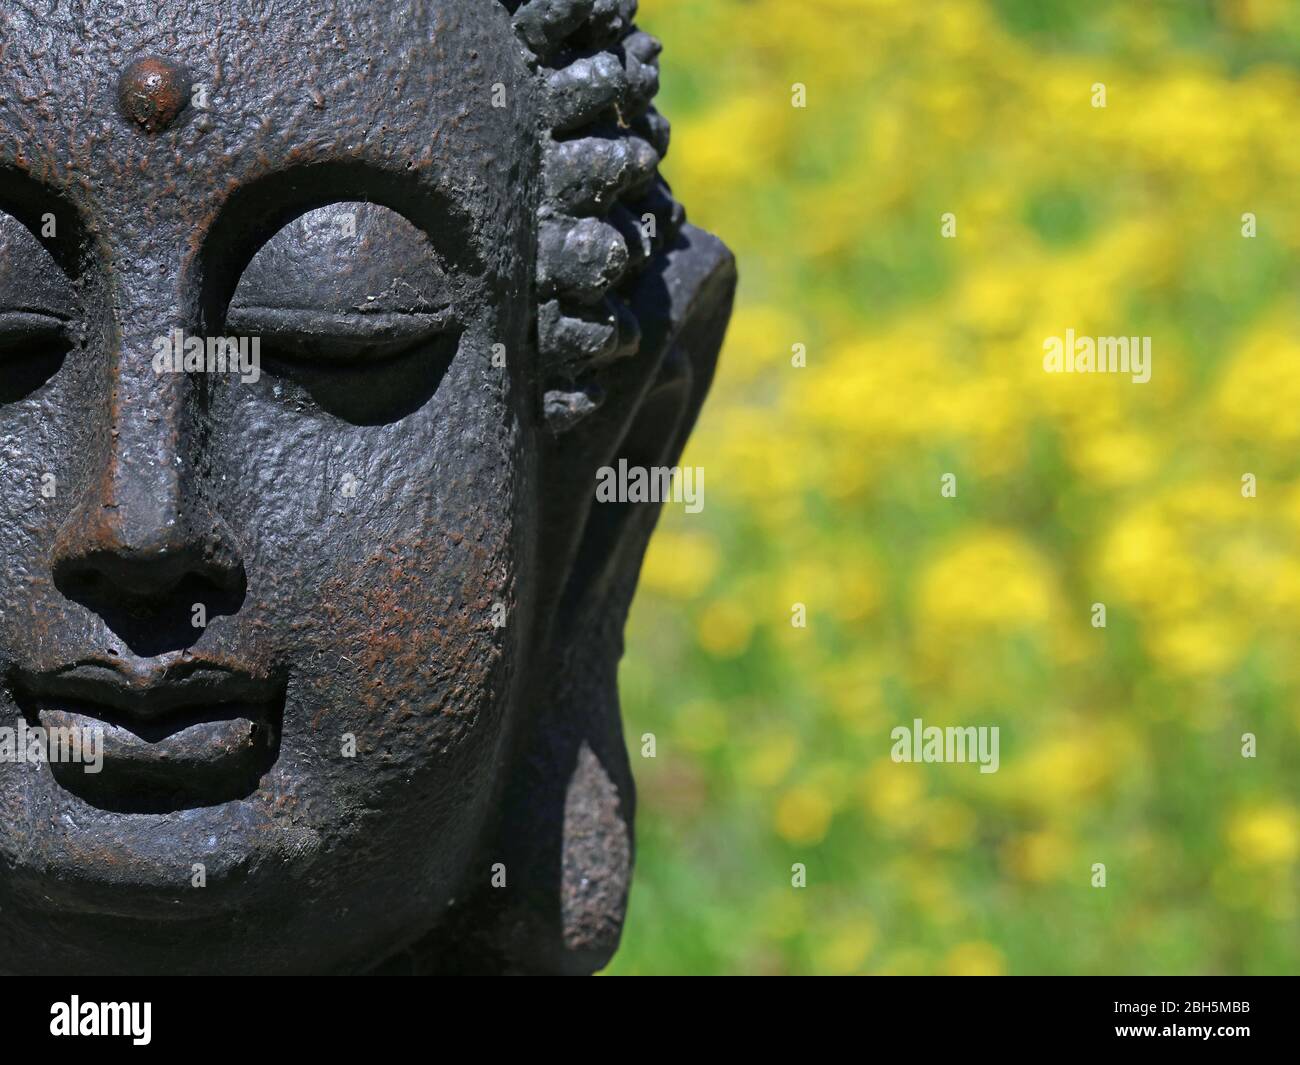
x: 420, y: 638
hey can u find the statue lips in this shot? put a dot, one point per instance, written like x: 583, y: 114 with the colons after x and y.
x: 191, y: 734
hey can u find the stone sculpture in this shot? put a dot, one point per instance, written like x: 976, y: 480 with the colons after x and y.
x: 336, y: 611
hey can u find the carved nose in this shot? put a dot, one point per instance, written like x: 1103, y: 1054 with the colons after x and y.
x: 144, y: 562
x: 140, y: 547
x: 147, y: 568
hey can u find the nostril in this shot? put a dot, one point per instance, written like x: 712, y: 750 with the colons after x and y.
x: 155, y: 604
x: 156, y: 570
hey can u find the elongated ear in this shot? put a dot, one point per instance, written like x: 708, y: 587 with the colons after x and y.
x: 570, y: 810
x: 565, y: 831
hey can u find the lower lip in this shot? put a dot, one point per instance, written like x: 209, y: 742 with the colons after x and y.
x: 204, y: 764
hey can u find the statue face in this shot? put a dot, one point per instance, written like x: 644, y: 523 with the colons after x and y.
x: 280, y: 599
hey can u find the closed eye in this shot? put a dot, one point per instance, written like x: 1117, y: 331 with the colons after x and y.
x: 337, y: 338
x: 33, y: 345
x: 28, y: 332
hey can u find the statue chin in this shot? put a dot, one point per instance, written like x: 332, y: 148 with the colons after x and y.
x: 310, y: 608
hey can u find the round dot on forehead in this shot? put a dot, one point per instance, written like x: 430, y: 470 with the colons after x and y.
x: 153, y: 92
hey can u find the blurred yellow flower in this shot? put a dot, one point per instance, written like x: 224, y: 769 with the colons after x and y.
x: 987, y: 580
x: 1062, y: 771
x: 974, y: 959
x: 907, y: 961
x: 770, y: 761
x: 1198, y: 646
x: 1037, y: 856
x: 802, y: 815
x: 1259, y: 393
x: 760, y: 340
x: 892, y: 792
x: 844, y: 947
x: 678, y: 564
x: 1254, y: 15
x: 1266, y: 835
x: 724, y: 628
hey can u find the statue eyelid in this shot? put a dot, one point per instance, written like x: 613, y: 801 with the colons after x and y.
x: 338, y: 337
x: 344, y: 284
x: 22, y: 325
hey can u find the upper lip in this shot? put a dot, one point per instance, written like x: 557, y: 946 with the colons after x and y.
x: 149, y: 697
x: 175, y: 734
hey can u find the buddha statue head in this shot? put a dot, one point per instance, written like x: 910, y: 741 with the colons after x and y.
x: 317, y: 322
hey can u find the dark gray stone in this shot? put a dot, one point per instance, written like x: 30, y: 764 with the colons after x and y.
x: 391, y: 530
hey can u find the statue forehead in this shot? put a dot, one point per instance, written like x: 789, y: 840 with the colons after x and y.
x: 406, y: 89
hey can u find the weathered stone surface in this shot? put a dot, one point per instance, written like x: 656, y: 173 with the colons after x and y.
x: 347, y: 618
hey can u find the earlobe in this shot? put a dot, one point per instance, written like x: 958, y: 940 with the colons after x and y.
x: 571, y: 797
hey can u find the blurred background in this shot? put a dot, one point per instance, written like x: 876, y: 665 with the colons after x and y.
x: 1119, y: 745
